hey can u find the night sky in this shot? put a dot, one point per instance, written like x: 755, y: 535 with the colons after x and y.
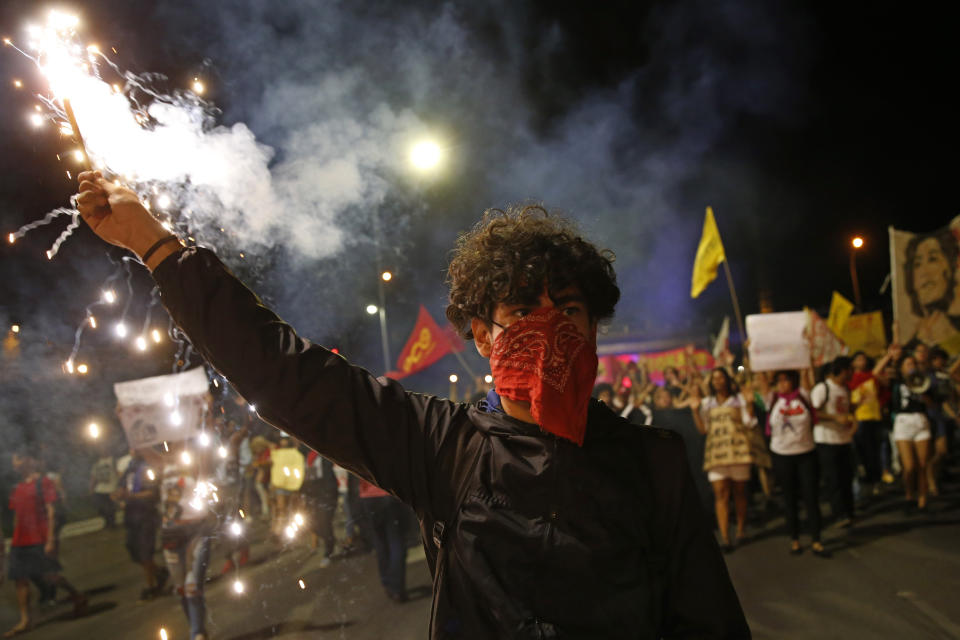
x: 801, y: 124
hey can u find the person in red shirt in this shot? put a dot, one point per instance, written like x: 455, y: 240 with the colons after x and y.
x: 33, y: 545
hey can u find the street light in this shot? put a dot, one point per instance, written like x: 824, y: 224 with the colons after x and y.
x: 15, y: 328
x: 372, y: 309
x: 856, y: 244
x: 386, y: 276
x: 425, y: 155
x: 453, y: 377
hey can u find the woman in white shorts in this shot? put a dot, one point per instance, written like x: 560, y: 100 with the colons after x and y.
x: 725, y: 417
x: 911, y: 428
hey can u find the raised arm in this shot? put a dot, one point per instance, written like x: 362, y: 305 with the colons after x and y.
x: 368, y: 425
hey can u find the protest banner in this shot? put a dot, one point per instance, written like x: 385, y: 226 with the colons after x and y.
x: 926, y: 286
x: 825, y: 346
x: 864, y: 332
x: 162, y: 408
x: 613, y: 366
x: 778, y: 341
x: 840, y: 310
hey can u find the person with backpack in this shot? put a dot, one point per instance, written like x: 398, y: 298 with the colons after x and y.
x: 833, y: 433
x: 32, y: 546
x: 542, y: 513
x: 791, y: 419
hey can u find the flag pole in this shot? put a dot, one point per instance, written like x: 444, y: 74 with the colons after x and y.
x: 463, y: 362
x: 736, y: 302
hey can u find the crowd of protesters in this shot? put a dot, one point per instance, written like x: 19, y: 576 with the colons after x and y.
x: 175, y: 526
x: 842, y: 432
x: 838, y: 434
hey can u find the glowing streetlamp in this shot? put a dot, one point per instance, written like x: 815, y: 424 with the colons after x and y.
x: 15, y: 328
x: 425, y: 155
x: 372, y: 309
x: 488, y: 379
x: 856, y: 244
x: 386, y: 276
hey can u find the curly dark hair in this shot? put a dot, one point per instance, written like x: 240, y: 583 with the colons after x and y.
x: 509, y: 255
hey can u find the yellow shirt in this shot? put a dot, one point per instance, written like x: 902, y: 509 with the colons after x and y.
x: 864, y: 397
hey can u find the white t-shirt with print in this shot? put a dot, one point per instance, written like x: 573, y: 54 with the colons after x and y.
x: 830, y: 397
x: 791, y: 433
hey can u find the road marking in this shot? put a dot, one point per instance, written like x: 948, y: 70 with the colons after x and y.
x: 942, y: 621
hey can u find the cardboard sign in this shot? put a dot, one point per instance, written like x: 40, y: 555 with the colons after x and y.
x: 162, y: 408
x: 778, y: 341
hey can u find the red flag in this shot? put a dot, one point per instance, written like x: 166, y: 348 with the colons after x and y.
x: 427, y: 344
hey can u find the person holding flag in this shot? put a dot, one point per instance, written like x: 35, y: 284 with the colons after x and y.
x: 543, y: 514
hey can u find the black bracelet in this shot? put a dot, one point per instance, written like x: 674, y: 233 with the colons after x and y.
x: 156, y: 245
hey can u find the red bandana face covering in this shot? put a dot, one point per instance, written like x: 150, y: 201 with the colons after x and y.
x: 543, y: 359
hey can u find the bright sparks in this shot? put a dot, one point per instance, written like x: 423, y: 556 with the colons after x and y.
x: 94, y: 430
x: 155, y: 335
x: 303, y: 585
x: 79, y: 155
x: 141, y: 343
x: 298, y: 518
x: 237, y: 586
x: 163, y: 201
x: 82, y: 369
x: 176, y: 420
x: 236, y: 529
x: 121, y: 330
x: 151, y: 476
x: 198, y: 87
x: 222, y: 452
x: 18, y: 84
x: 203, y: 439
x: 93, y: 322
x: 36, y: 119
x: 425, y: 155
x: 185, y: 457
x: 163, y: 634
x: 109, y: 296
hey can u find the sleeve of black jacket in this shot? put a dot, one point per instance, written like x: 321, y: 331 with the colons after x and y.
x: 370, y: 426
x: 700, y: 601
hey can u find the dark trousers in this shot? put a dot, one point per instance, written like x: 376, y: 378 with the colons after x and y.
x: 387, y: 519
x: 836, y: 465
x: 868, y: 442
x: 106, y: 507
x: 797, y: 475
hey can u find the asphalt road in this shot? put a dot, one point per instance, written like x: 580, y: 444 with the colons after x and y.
x: 894, y: 575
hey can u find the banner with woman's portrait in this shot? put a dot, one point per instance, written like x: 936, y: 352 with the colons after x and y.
x: 926, y: 286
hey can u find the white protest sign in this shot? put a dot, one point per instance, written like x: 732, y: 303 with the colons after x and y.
x: 778, y: 341
x: 163, y: 408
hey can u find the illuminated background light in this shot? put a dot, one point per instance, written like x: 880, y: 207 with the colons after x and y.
x: 453, y: 377
x: 372, y: 309
x: 425, y: 155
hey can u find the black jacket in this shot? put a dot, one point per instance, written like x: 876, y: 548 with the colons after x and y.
x: 526, y: 535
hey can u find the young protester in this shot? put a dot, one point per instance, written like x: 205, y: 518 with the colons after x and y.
x: 320, y: 493
x: 138, y: 489
x: 187, y: 527
x: 725, y: 417
x: 386, y: 523
x: 939, y: 412
x: 103, y: 482
x: 833, y: 433
x: 630, y: 556
x: 32, y: 545
x: 865, y: 396
x: 911, y: 427
x: 795, y: 463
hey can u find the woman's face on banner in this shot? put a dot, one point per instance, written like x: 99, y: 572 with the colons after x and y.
x: 930, y: 272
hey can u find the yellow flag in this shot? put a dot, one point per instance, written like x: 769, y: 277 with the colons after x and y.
x: 709, y: 256
x: 840, y: 310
